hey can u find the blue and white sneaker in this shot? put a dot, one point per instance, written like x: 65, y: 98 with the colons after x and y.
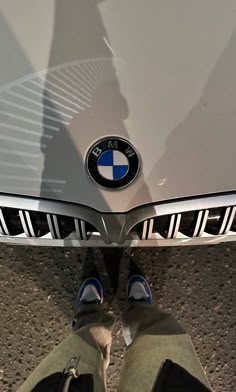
x: 90, y: 292
x: 139, y: 290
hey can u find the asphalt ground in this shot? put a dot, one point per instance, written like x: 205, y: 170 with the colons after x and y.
x: 38, y: 286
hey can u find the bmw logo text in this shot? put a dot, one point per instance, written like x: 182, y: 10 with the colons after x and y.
x: 112, y: 162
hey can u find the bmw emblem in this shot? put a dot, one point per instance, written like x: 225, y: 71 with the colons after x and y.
x: 112, y: 162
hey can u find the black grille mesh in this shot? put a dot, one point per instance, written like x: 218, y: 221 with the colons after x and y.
x: 191, y: 224
x: 38, y: 224
x: 214, y: 221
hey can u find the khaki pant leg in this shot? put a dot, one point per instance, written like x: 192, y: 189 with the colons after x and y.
x: 90, y: 341
x: 152, y: 337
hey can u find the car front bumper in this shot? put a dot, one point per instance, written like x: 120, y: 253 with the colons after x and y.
x: 41, y: 222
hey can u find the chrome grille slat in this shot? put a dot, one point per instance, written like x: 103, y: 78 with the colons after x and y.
x: 203, y: 223
x: 83, y: 230
x: 198, y: 223
x: 144, y: 233
x: 50, y: 225
x: 1, y: 230
x: 3, y: 225
x: 23, y: 222
x: 56, y: 225
x: 150, y: 234
x: 171, y: 226
x: 77, y: 228
x: 225, y: 220
x: 229, y: 224
x: 30, y: 225
x: 177, y: 224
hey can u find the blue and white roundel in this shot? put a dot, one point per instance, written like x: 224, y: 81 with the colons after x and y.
x: 113, y: 165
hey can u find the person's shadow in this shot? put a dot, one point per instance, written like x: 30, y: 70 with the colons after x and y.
x: 82, y: 102
x: 82, y: 90
x: 199, y: 156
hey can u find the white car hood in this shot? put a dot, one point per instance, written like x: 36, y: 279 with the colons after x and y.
x: 159, y: 74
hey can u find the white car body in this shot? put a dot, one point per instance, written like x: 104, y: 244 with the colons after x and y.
x: 159, y: 74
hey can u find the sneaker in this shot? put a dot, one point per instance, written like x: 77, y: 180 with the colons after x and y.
x: 90, y: 292
x: 139, y: 290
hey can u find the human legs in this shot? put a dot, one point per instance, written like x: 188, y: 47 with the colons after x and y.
x: 152, y: 336
x: 89, y: 341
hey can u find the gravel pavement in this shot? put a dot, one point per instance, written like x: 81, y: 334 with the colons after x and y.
x: 38, y: 285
